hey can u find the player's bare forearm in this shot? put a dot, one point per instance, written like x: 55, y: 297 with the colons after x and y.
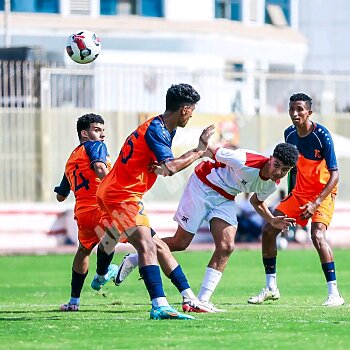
x: 100, y: 169
x: 331, y: 183
x: 310, y: 208
x: 178, y: 164
x: 261, y: 208
x: 210, y: 152
x: 280, y: 222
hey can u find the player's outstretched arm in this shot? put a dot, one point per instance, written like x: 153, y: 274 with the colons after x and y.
x: 280, y: 222
x: 182, y: 162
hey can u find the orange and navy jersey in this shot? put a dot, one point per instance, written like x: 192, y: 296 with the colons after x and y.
x: 316, y: 159
x: 130, y: 178
x: 80, y: 177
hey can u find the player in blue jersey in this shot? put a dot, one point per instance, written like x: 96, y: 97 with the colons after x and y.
x: 312, y: 192
x: 86, y: 166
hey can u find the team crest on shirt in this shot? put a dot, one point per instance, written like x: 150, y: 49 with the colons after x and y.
x: 317, y: 153
x: 244, y: 182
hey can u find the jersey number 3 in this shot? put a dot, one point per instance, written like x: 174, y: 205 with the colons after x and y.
x: 84, y: 181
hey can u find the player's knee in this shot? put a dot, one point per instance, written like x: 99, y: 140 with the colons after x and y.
x: 147, y: 247
x: 162, y: 248
x: 268, y: 231
x: 175, y: 244
x: 83, y: 251
x: 179, y: 245
x: 318, y: 238
x: 226, y: 248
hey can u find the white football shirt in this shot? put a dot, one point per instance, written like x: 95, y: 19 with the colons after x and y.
x: 236, y: 171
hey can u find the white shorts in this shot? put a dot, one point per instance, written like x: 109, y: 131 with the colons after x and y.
x: 199, y: 202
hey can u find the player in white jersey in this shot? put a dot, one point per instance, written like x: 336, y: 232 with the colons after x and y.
x: 209, y: 195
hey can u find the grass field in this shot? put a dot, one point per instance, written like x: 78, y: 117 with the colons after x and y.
x: 32, y: 287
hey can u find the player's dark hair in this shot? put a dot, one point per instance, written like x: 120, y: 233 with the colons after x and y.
x: 302, y: 97
x: 286, y: 153
x: 180, y: 95
x: 86, y: 120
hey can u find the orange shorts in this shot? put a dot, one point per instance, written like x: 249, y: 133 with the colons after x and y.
x: 88, y: 222
x: 290, y: 206
x: 124, y: 215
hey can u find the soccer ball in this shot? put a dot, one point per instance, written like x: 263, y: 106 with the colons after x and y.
x: 83, y: 47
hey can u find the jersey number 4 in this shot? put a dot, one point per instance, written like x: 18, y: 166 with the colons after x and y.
x: 84, y: 181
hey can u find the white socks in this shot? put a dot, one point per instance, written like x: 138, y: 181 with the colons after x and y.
x: 134, y: 259
x: 74, y: 301
x: 188, y: 294
x: 211, y: 280
x: 333, y: 288
x: 271, y: 281
x: 161, y: 301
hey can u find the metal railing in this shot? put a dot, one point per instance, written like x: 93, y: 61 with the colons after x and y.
x: 40, y: 105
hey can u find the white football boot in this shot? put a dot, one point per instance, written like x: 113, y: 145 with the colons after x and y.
x: 264, y: 295
x: 334, y: 300
x: 210, y: 306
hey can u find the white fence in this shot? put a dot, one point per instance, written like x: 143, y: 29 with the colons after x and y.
x: 40, y: 106
x: 137, y: 89
x: 19, y: 83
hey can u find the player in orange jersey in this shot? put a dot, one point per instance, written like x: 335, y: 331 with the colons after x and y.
x: 120, y: 193
x: 88, y: 164
x: 313, y: 189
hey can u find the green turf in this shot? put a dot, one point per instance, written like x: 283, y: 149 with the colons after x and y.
x: 32, y: 287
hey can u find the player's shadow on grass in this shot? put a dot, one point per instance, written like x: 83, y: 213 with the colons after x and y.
x: 61, y: 317
x: 95, y: 311
x: 27, y: 318
x: 40, y: 312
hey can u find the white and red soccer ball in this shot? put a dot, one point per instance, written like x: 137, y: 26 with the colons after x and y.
x: 83, y: 46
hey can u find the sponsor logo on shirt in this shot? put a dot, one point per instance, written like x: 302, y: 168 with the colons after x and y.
x: 184, y: 218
